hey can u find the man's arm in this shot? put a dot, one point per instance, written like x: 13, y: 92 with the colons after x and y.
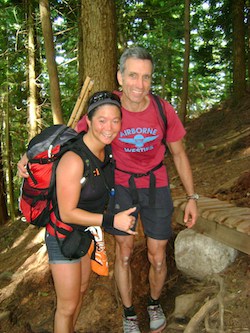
x: 184, y: 170
x: 21, y: 166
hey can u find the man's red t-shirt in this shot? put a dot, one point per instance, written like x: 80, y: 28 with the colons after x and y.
x: 138, y: 147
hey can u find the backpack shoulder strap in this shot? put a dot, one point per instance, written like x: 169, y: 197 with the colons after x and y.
x: 160, y: 109
x: 163, y: 117
x: 80, y: 150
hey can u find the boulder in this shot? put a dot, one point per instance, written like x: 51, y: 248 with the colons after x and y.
x: 199, y: 256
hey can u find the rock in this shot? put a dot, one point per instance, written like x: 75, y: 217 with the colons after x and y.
x: 184, y: 304
x: 199, y: 256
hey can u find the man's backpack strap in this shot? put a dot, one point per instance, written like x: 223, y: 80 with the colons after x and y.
x: 152, y: 184
x: 161, y: 111
x: 163, y: 118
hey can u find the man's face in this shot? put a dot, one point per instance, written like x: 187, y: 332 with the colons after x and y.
x: 135, y: 80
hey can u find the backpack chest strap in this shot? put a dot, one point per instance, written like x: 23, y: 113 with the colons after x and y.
x: 152, y: 183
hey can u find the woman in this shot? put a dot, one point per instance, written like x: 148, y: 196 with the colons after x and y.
x: 82, y: 206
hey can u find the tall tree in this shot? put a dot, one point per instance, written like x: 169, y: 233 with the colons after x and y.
x: 184, y: 94
x: 155, y: 25
x: 33, y: 105
x: 8, y: 152
x: 3, y: 201
x: 81, y: 71
x: 51, y: 62
x: 99, y: 43
x: 239, y: 62
x: 248, y: 44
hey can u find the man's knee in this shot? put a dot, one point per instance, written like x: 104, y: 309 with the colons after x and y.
x: 157, y: 260
x: 124, y: 250
x: 124, y: 259
x: 159, y: 265
x: 124, y: 255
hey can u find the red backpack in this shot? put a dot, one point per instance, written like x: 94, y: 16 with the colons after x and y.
x: 44, y: 152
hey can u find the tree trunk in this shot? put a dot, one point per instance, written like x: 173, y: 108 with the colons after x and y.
x: 239, y: 63
x: 3, y: 201
x: 80, y: 48
x: 8, y: 150
x: 32, y: 99
x: 99, y: 43
x: 184, y: 94
x: 248, y: 45
x: 51, y: 62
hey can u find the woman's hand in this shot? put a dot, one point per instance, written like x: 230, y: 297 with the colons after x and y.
x: 124, y: 221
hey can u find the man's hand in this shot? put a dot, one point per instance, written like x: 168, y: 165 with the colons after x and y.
x: 21, y: 167
x: 124, y: 221
x: 191, y: 213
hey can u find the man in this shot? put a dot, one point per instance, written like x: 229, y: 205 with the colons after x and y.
x: 139, y: 152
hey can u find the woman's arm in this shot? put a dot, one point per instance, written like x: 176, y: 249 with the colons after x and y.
x: 68, y: 188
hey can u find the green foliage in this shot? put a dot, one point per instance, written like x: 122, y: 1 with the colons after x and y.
x: 158, y: 25
x: 13, y: 76
x: 65, y: 28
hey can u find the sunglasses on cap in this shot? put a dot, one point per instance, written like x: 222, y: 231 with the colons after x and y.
x: 102, y: 98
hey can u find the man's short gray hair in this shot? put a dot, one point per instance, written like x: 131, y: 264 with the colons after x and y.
x: 135, y: 52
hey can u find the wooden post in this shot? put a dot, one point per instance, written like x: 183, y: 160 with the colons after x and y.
x: 80, y: 103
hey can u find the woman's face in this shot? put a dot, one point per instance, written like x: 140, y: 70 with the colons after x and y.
x: 105, y: 123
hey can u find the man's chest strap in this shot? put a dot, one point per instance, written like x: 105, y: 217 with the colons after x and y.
x: 152, y: 183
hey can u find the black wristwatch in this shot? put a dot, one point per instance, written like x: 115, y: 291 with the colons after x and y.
x: 194, y: 196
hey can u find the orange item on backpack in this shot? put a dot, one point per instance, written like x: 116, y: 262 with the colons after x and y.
x: 97, y: 252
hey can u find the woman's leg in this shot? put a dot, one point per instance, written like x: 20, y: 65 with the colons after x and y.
x: 68, y: 285
x: 85, y: 275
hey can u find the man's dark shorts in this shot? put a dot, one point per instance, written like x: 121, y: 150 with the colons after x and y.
x: 156, y: 220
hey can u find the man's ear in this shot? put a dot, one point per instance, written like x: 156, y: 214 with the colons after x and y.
x: 119, y: 77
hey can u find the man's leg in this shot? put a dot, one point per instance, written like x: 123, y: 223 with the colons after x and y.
x: 158, y: 265
x: 124, y: 251
x: 157, y: 277
x: 123, y: 276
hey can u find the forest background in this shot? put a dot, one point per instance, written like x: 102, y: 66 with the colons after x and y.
x: 47, y: 49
